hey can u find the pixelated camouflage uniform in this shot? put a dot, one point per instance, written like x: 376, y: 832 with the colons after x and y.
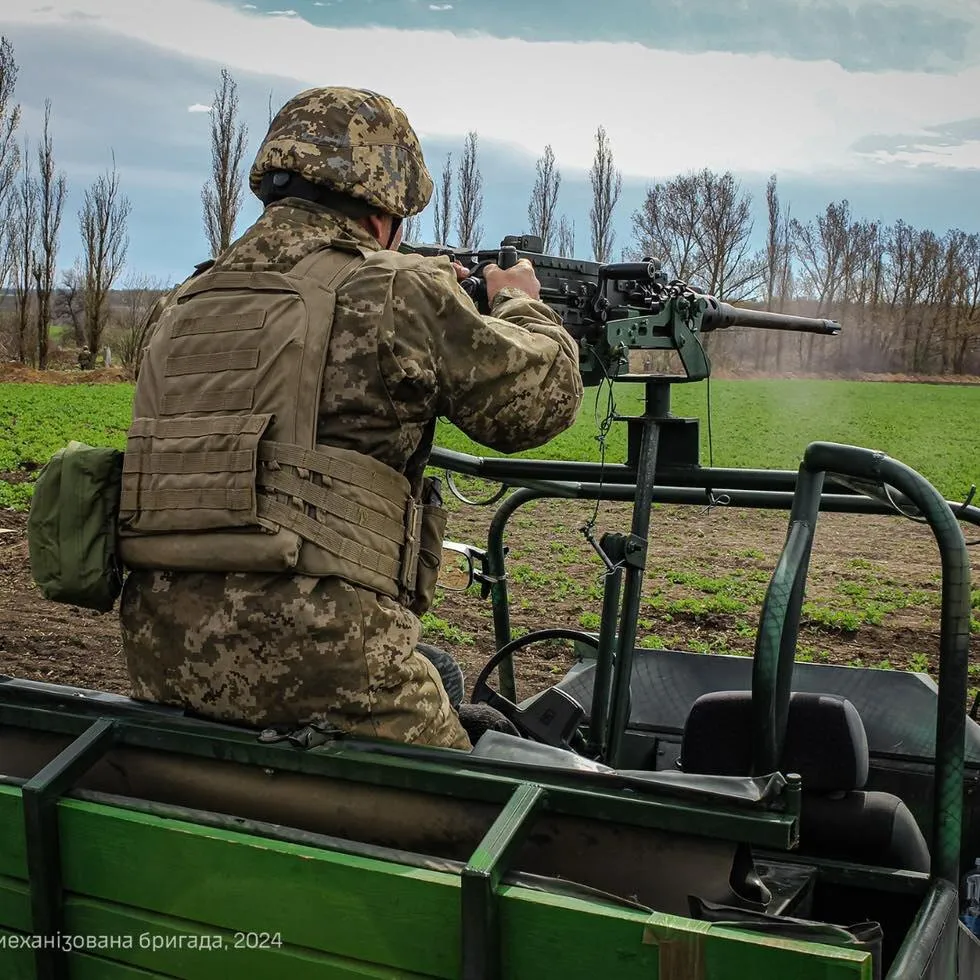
x: 408, y: 345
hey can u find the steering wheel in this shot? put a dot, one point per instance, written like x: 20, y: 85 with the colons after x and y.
x: 554, y: 718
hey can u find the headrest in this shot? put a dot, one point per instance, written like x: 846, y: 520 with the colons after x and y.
x: 825, y: 740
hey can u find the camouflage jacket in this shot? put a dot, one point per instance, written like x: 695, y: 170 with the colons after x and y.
x: 408, y: 345
x: 411, y: 346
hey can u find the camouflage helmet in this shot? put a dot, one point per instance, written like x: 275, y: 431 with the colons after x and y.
x: 352, y: 141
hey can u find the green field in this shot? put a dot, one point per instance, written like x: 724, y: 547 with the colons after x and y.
x: 932, y: 428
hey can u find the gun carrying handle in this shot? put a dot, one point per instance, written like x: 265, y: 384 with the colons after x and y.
x: 475, y: 285
x: 507, y: 257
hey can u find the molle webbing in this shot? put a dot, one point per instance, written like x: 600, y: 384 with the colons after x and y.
x: 350, y: 493
x: 319, y: 497
x: 351, y: 467
x: 337, y: 545
x: 194, y: 474
x: 222, y: 471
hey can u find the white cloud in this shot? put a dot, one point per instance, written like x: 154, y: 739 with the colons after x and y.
x: 964, y: 155
x: 440, y: 6
x: 199, y: 107
x: 283, y: 13
x: 665, y: 112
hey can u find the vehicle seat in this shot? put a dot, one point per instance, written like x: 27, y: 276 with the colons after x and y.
x: 827, y: 745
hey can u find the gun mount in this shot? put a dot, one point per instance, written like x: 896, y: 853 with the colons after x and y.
x: 614, y: 308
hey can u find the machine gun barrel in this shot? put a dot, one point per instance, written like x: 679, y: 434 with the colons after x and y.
x: 719, y: 315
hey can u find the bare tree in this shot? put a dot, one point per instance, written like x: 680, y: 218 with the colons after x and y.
x: 665, y: 225
x: 820, y: 248
x: 774, y: 242
x: 469, y: 203
x: 443, y: 200
x: 776, y: 259
x: 910, y: 273
x: 700, y: 226
x: 9, y: 119
x: 412, y: 228
x: 8, y: 239
x: 102, y: 222
x: 566, y: 237
x: 824, y: 253
x: 910, y: 298
x: 51, y: 190
x: 965, y: 333
x: 607, y: 183
x: 725, y: 236
x: 947, y: 321
x: 69, y: 303
x: 874, y: 323
x: 23, y: 230
x: 139, y: 293
x: 544, y: 198
x: 868, y: 341
x: 9, y: 154
x: 787, y: 278
x: 222, y: 195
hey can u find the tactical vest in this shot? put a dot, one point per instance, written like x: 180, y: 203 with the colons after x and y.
x: 222, y: 471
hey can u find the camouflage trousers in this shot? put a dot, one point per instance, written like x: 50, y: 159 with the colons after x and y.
x: 266, y: 650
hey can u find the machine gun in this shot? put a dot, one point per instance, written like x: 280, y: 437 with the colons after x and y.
x: 613, y: 308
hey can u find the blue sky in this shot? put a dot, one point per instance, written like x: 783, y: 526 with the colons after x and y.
x: 876, y: 101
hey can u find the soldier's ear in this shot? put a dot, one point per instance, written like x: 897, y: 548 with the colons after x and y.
x: 385, y: 228
x: 395, y: 238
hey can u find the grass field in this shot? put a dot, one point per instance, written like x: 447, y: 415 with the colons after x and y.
x: 769, y: 423
x: 873, y: 590
x: 764, y: 423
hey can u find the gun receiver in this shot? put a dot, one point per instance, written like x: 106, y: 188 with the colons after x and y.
x: 613, y: 308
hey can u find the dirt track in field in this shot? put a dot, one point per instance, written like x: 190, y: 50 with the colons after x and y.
x: 873, y: 595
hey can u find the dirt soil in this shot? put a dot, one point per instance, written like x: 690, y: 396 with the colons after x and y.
x: 873, y: 594
x: 22, y: 374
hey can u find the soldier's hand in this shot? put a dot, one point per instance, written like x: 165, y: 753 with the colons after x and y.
x: 521, y: 275
x: 461, y: 271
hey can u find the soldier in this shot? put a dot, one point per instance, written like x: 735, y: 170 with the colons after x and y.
x: 271, y: 519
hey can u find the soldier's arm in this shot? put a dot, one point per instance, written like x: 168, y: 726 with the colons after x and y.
x: 511, y: 380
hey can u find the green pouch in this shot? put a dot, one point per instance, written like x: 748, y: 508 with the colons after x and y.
x: 71, y: 529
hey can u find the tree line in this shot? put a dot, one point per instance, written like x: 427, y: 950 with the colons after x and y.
x: 909, y: 298
x: 32, y: 200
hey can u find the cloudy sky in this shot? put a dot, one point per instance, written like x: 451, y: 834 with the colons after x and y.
x: 876, y: 101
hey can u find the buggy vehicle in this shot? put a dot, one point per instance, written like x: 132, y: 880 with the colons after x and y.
x: 662, y: 814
